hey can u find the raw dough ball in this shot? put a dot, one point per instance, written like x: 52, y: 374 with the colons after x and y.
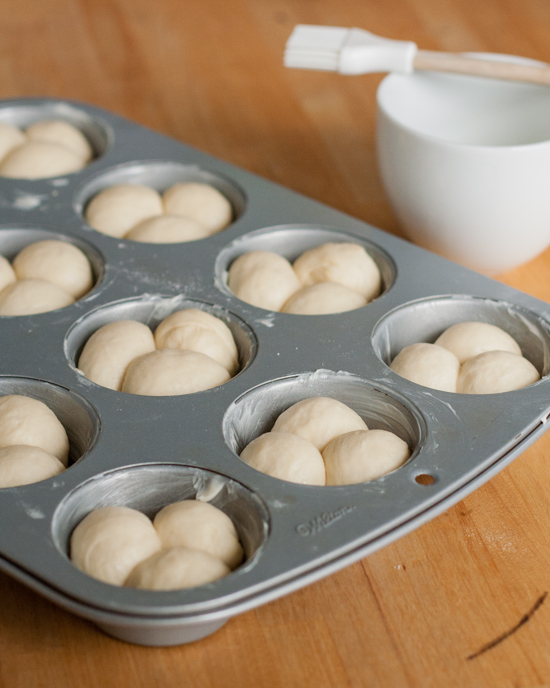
x: 10, y: 138
x: 110, y: 350
x: 175, y: 569
x: 58, y: 262
x: 167, y: 229
x: 347, y: 264
x: 30, y: 296
x: 202, y: 202
x: 363, y: 455
x: 196, y: 330
x: 319, y: 420
x: 109, y: 542
x: 428, y: 365
x: 115, y: 210
x: 196, y: 318
x: 201, y: 526
x: 24, y: 420
x: 21, y: 464
x: 468, y: 339
x: 287, y: 457
x: 170, y: 371
x: 63, y: 134
x: 263, y: 279
x: 323, y: 298
x: 7, y: 273
x: 495, y: 371
x: 39, y: 159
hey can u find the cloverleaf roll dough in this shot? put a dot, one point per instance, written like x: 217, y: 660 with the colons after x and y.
x: 201, y: 202
x: 429, y: 365
x: 61, y: 133
x: 468, y: 339
x: 493, y: 372
x: 175, y: 569
x: 119, y: 208
x: 168, y: 372
x: 24, y: 420
x: 345, y: 263
x: 7, y: 273
x: 167, y: 229
x: 286, y: 456
x: 45, y: 149
x: 362, y: 455
x: 110, y: 350
x: 10, y: 137
x: 263, y: 279
x: 38, y: 160
x: 196, y: 330
x: 323, y: 298
x: 193, y: 317
x: 199, y: 525
x: 22, y: 464
x: 58, y: 262
x: 31, y: 296
x: 319, y: 420
x: 110, y: 541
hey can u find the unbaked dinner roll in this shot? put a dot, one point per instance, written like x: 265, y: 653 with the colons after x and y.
x: 167, y: 372
x: 468, y: 339
x: 263, y: 279
x: 115, y: 210
x: 319, y: 420
x: 202, y: 202
x: 493, y: 372
x: 62, y: 133
x: 347, y: 264
x: 24, y: 420
x: 58, y: 262
x: 40, y: 159
x: 362, y: 455
x: 323, y: 298
x: 110, y: 350
x: 22, y: 464
x: 286, y: 456
x: 31, y: 296
x: 175, y: 569
x: 167, y: 333
x: 10, y: 138
x: 199, y: 525
x: 109, y: 542
x: 7, y: 273
x: 428, y: 365
x: 167, y: 229
x: 196, y: 330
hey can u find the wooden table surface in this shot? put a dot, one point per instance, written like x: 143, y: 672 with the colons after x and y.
x: 462, y: 600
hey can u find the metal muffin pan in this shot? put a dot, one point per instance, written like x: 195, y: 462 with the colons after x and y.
x: 146, y: 452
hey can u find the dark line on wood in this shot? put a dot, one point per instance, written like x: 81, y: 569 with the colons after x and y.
x: 386, y: 626
x: 524, y: 619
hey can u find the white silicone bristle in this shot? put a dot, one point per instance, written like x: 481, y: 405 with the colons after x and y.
x: 315, y: 47
x: 347, y: 51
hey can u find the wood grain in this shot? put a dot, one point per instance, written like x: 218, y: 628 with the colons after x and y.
x: 420, y: 612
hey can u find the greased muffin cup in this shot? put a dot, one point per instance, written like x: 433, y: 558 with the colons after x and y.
x: 147, y: 452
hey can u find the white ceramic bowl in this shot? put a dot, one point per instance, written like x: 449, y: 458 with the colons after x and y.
x: 466, y: 165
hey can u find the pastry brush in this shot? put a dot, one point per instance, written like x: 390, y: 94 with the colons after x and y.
x: 356, y: 51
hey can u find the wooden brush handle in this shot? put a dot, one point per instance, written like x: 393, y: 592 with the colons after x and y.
x: 428, y: 60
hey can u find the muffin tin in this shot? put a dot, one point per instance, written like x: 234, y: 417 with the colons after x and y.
x: 145, y: 452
